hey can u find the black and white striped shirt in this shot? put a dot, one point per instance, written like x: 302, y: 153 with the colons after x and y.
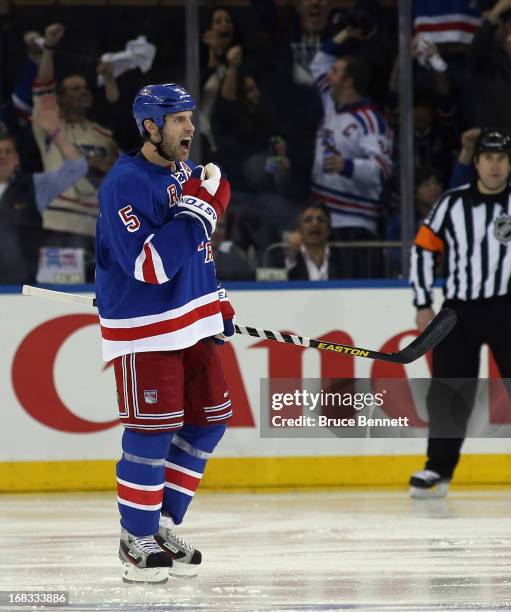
x: 473, y: 232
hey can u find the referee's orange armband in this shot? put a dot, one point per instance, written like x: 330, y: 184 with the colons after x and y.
x: 427, y: 239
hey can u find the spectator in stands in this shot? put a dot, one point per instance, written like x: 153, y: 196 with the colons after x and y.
x: 436, y: 131
x: 219, y: 38
x: 292, y: 36
x: 448, y: 22
x: 314, y: 18
x: 451, y: 26
x: 25, y: 196
x: 243, y: 125
x: 315, y: 259
x: 265, y: 188
x: 373, y: 44
x: 230, y: 261
x: 295, y: 35
x: 490, y: 66
x: 434, y: 108
x: 15, y: 112
x: 428, y: 188
x: 463, y: 170
x: 70, y: 220
x: 353, y: 149
x: 106, y: 71
x: 435, y: 137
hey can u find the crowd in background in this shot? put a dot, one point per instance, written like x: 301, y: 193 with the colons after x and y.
x: 299, y: 105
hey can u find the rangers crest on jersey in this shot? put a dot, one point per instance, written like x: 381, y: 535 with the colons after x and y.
x: 502, y: 228
x: 151, y: 396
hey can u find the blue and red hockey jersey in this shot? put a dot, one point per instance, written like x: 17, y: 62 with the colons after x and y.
x: 156, y: 285
x: 448, y: 21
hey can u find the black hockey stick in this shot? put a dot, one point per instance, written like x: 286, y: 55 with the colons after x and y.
x: 434, y: 333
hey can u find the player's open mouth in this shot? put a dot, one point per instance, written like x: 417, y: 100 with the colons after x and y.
x: 185, y: 143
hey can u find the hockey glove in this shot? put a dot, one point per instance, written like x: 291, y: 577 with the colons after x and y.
x: 227, y: 316
x: 205, y: 197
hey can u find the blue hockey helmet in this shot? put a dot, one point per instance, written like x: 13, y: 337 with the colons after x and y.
x: 156, y: 101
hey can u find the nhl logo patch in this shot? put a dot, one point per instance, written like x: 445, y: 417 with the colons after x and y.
x: 151, y: 397
x: 502, y: 228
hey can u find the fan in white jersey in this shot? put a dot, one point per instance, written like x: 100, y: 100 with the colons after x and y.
x: 353, y: 143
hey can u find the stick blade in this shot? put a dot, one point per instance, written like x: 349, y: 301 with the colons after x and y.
x: 434, y: 333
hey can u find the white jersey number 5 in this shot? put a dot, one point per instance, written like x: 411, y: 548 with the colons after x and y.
x: 129, y: 218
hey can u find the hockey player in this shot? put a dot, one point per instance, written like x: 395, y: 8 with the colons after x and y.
x: 159, y: 310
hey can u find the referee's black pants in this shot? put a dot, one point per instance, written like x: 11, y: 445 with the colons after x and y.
x: 482, y: 321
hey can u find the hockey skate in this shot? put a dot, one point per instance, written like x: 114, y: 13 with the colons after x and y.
x: 142, y: 559
x: 428, y: 484
x: 186, y: 559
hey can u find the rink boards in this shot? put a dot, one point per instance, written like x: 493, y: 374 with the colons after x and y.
x: 60, y: 432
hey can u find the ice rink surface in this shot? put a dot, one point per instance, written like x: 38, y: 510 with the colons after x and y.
x: 339, y: 550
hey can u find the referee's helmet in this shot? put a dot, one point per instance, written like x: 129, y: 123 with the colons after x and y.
x: 492, y: 141
x: 155, y: 102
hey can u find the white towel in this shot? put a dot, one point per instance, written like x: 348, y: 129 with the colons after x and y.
x: 138, y: 54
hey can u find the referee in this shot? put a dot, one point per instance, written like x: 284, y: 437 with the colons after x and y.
x: 470, y: 227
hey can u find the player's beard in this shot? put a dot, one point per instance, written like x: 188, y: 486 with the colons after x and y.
x: 173, y: 150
